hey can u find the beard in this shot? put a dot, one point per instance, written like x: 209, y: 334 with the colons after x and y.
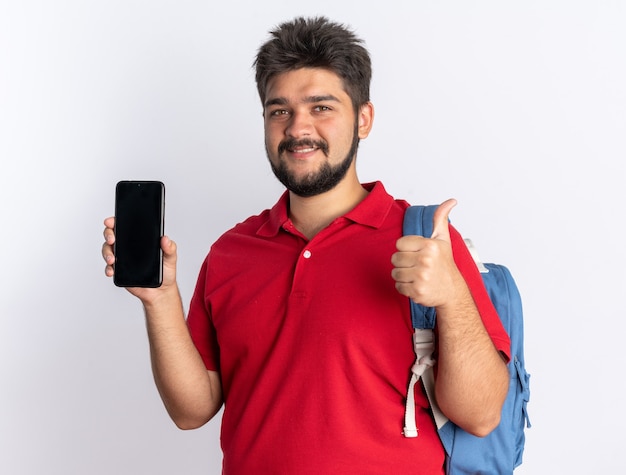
x: 315, y: 183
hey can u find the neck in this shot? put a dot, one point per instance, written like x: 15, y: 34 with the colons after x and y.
x: 312, y: 214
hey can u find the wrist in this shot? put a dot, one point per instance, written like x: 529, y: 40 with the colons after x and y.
x: 161, y: 298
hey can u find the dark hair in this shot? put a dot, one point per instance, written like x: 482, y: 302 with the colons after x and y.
x: 316, y: 43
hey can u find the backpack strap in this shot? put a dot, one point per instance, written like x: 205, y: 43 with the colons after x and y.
x: 418, y: 220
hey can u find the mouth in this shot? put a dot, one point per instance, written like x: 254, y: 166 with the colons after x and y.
x: 301, y: 148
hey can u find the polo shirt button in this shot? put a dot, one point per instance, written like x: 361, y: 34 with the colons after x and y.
x: 306, y: 254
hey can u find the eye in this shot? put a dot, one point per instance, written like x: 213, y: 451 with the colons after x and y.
x: 278, y: 112
x: 321, y: 108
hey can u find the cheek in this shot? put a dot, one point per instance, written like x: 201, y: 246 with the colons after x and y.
x: 341, y: 138
x: 271, y: 145
x: 272, y: 136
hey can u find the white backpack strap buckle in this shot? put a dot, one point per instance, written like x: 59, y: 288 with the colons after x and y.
x: 424, y: 346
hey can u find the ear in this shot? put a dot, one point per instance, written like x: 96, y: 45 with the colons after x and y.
x: 366, y: 119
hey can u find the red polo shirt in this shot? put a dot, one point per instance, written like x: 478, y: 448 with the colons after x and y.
x: 313, y: 344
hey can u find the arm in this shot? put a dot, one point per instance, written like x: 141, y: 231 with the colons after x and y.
x: 472, y: 378
x: 191, y: 394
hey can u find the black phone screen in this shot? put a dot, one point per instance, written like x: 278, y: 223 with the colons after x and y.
x: 139, y: 216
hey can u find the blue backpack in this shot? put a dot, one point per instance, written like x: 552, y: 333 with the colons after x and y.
x: 501, y: 451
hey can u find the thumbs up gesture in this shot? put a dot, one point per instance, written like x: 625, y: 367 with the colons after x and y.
x: 424, y: 268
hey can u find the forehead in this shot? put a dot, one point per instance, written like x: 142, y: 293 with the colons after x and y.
x: 299, y: 84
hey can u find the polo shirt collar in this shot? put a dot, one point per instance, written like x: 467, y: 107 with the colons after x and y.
x: 371, y: 212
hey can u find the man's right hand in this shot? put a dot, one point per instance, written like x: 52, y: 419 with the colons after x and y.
x: 147, y: 295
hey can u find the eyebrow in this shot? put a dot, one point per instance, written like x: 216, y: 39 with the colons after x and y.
x: 281, y: 101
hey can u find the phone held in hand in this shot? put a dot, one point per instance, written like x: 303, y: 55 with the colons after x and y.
x: 139, y: 226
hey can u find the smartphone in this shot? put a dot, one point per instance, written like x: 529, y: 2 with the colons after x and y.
x: 139, y: 226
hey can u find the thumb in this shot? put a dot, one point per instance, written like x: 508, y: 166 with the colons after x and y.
x: 440, y: 220
x: 169, y: 247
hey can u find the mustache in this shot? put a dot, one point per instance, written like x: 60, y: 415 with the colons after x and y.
x: 291, y: 143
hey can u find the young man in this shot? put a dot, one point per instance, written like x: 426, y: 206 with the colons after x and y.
x: 300, y: 322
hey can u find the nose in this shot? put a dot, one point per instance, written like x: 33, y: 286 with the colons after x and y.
x: 300, y: 125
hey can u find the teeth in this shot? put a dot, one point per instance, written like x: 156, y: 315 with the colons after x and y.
x: 304, y: 150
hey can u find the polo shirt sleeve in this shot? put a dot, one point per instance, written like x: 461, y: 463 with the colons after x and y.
x: 200, y: 324
x: 487, y: 311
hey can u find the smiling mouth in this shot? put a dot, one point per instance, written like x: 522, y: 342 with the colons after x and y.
x: 302, y: 150
x: 302, y: 147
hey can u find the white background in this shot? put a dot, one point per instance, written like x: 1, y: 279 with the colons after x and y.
x: 517, y: 109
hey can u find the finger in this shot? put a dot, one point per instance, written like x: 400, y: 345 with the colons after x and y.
x: 168, y: 246
x: 410, y: 243
x: 109, y: 258
x: 107, y: 254
x: 109, y: 236
x: 402, y: 259
x: 109, y: 233
x: 402, y: 275
x: 441, y: 229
